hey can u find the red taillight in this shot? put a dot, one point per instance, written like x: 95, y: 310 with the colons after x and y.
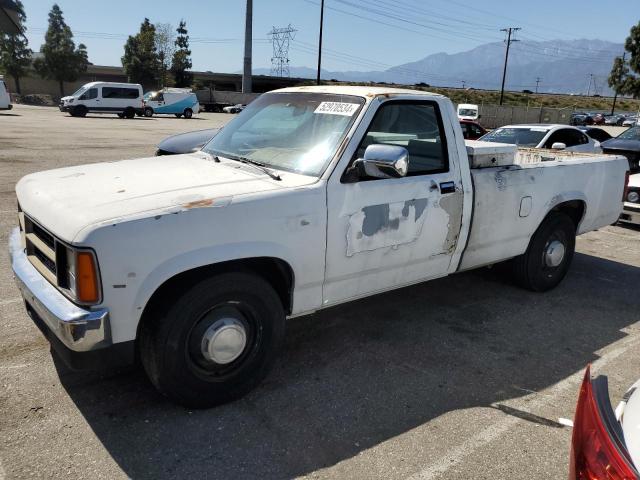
x: 594, y: 454
x: 625, y: 190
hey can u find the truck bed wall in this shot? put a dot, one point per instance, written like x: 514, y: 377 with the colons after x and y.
x: 501, y: 229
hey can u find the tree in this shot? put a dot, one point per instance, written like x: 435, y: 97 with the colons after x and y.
x: 625, y: 76
x: 15, y: 54
x: 181, y: 62
x: 165, y: 46
x: 60, y: 60
x: 140, y: 59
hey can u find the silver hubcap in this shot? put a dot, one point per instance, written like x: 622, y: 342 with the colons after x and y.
x: 224, y: 341
x: 554, y: 254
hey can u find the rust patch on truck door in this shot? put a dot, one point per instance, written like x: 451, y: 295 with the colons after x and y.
x: 385, y: 225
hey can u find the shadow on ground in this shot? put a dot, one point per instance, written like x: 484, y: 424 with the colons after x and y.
x: 357, y: 375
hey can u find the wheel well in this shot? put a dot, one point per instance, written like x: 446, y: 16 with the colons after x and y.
x: 574, y: 209
x: 274, y: 270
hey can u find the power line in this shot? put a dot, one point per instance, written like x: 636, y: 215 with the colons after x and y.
x: 510, y: 40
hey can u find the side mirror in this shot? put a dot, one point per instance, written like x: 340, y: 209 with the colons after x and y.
x: 383, y: 161
x: 558, y: 146
x: 479, y: 116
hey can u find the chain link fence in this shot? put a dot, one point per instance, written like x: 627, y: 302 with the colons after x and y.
x: 493, y: 116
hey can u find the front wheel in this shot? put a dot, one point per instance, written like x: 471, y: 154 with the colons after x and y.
x: 216, y: 342
x: 148, y: 112
x: 547, y: 260
x: 188, y: 113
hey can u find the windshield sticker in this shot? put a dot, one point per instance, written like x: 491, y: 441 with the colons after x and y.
x: 337, y: 108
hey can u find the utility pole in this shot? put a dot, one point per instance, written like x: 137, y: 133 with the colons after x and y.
x: 248, y: 38
x: 589, y: 87
x: 615, y: 94
x: 506, y: 56
x: 538, y: 79
x: 320, y: 42
x: 464, y: 82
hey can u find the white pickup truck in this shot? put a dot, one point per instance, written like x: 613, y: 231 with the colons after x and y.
x: 311, y: 197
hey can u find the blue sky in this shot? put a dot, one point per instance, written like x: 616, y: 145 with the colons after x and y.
x: 358, y: 35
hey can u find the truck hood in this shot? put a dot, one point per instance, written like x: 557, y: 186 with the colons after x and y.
x: 67, y: 200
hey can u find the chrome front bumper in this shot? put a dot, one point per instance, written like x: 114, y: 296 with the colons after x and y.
x: 78, y: 329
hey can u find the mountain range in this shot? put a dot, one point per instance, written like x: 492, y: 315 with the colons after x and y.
x: 563, y: 66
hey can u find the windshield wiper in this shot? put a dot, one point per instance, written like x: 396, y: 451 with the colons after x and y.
x: 259, y: 165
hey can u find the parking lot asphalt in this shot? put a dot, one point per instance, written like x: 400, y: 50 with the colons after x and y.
x: 459, y: 378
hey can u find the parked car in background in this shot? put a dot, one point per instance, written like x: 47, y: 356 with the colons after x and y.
x: 580, y: 118
x: 5, y: 99
x: 627, y: 144
x: 471, y: 130
x: 598, y: 118
x: 177, y: 101
x: 555, y: 136
x: 631, y: 209
x: 123, y: 99
x: 237, y: 108
x: 630, y: 121
x: 185, y: 142
x: 596, y: 133
x: 605, y: 443
x: 615, y: 119
x: 468, y: 111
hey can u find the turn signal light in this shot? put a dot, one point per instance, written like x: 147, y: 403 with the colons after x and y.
x: 87, y: 289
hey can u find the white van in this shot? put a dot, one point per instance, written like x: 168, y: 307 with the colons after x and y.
x: 171, y: 101
x: 468, y: 111
x: 124, y: 99
x: 5, y: 99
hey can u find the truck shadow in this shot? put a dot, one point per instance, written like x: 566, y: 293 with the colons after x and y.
x: 357, y: 375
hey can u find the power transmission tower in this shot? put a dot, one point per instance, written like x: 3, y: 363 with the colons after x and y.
x: 589, y: 87
x: 464, y: 82
x: 281, y: 38
x: 509, y: 41
x: 538, y: 79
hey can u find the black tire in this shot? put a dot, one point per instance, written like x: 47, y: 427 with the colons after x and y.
x: 171, y: 344
x: 129, y: 113
x: 178, y: 115
x: 120, y: 115
x: 534, y: 270
x: 188, y: 113
x: 148, y: 112
x: 79, y: 111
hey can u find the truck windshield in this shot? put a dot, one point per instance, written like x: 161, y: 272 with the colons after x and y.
x: 527, y: 137
x: 467, y: 112
x: 296, y: 132
x: 79, y: 92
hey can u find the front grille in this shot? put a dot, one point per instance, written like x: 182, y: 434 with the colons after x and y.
x: 43, y: 250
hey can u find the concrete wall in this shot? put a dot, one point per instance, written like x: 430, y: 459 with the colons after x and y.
x: 494, y: 116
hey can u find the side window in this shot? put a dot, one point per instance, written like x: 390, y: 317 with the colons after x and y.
x: 109, y: 92
x: 465, y: 130
x: 92, y: 93
x: 558, y: 136
x: 130, y: 93
x: 477, y: 132
x: 159, y: 97
x: 117, y: 92
x: 416, y: 126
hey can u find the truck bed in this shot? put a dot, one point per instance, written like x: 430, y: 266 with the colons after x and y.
x: 510, y: 201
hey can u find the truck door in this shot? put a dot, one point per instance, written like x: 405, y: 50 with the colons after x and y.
x: 384, y: 233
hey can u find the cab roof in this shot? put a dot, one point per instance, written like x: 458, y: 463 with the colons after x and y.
x: 357, y: 90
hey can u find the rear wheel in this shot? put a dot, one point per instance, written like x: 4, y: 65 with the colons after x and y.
x: 216, y: 342
x: 148, y: 112
x: 547, y: 260
x: 188, y: 113
x: 129, y: 113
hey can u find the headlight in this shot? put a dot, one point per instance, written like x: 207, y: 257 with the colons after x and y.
x: 633, y: 197
x: 70, y: 100
x: 82, y: 275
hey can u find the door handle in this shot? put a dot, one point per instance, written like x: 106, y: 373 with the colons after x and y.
x: 447, y: 187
